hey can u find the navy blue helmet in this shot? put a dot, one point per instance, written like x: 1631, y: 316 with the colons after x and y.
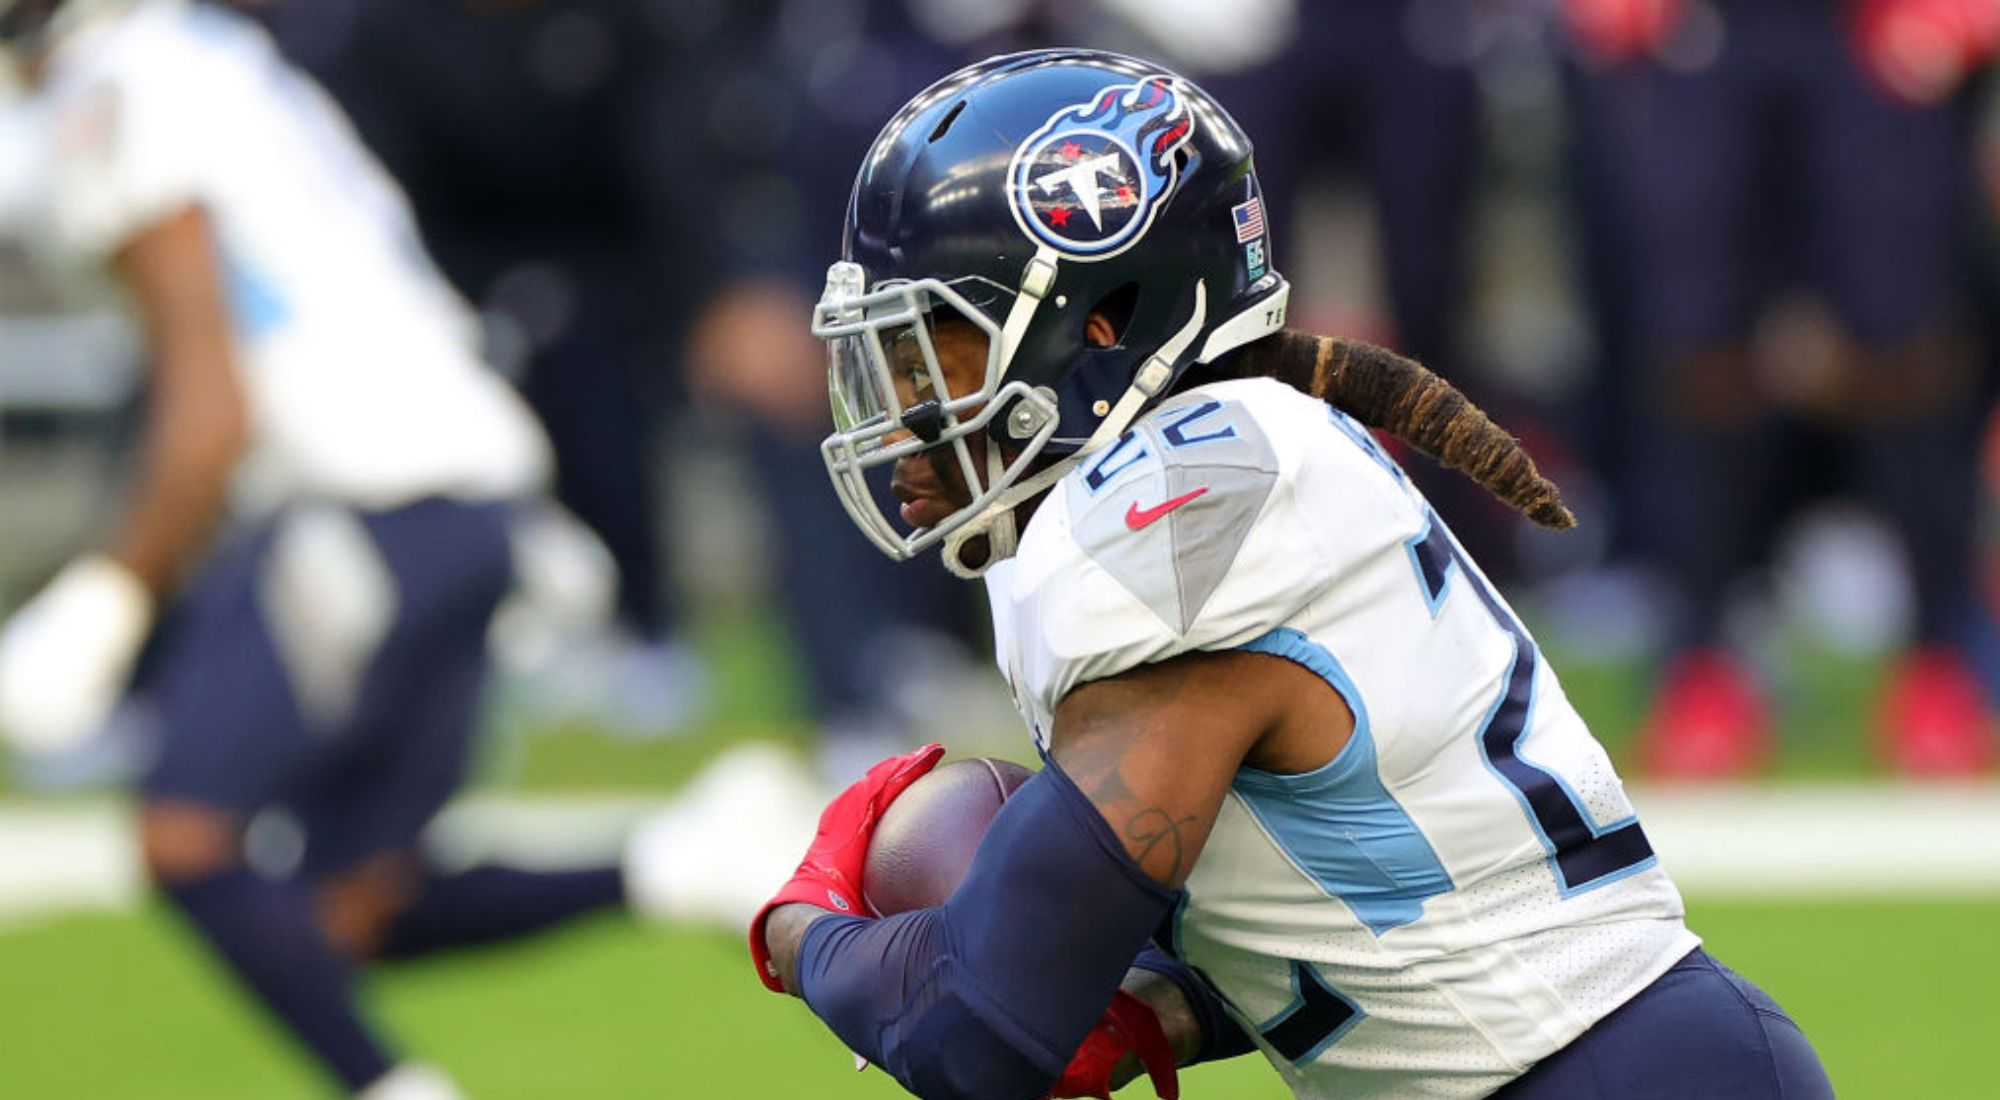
x: 1021, y: 194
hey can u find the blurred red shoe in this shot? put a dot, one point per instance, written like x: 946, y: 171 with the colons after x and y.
x: 1709, y: 721
x: 1932, y: 719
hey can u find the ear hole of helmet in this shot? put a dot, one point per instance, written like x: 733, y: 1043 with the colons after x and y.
x: 944, y: 124
x: 1117, y: 308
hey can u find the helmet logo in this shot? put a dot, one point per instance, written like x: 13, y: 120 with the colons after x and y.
x: 1088, y: 182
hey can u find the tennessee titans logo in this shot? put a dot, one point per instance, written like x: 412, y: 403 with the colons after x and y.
x: 1088, y: 182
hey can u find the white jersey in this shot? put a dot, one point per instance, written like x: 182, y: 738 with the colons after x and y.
x: 360, y: 365
x: 1465, y: 888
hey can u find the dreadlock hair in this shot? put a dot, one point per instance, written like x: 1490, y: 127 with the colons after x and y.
x: 1403, y: 397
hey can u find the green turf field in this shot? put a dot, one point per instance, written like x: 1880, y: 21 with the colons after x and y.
x: 1896, y: 995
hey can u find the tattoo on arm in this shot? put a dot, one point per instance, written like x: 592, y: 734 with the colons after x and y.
x: 1151, y: 834
x: 1106, y: 739
x: 1157, y: 747
x: 1154, y: 837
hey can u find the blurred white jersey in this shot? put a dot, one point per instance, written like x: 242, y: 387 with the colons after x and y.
x: 1464, y: 889
x: 361, y: 365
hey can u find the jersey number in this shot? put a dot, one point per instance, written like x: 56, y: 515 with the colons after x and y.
x: 1188, y: 428
x: 1317, y: 1016
x: 1583, y: 854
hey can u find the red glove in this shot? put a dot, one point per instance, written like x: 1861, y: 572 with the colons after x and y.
x: 1920, y: 51
x: 1617, y: 31
x: 1129, y: 1026
x: 830, y: 875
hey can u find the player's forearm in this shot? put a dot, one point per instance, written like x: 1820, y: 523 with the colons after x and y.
x: 1176, y: 1016
x: 784, y: 931
x: 181, y: 487
x: 197, y: 420
x: 1177, y: 1022
x: 990, y: 994
x: 1190, y: 1016
x: 1190, y: 1011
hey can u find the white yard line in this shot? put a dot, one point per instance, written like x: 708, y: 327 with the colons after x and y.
x: 65, y: 858
x: 1869, y: 840
x: 1860, y: 840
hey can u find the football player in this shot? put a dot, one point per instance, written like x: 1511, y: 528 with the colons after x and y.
x: 1301, y: 761
x: 316, y: 389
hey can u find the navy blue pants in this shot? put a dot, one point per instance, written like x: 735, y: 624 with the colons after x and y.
x: 272, y: 689
x: 1701, y: 1032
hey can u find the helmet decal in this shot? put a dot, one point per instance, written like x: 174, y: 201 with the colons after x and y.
x: 1088, y: 182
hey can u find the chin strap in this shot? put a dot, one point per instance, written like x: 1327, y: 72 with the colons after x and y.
x: 996, y: 523
x: 1036, y: 282
x: 1001, y: 531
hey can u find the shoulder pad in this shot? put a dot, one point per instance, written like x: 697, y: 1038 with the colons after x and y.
x: 1167, y: 508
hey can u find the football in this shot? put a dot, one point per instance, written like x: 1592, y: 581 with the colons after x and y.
x: 925, y: 841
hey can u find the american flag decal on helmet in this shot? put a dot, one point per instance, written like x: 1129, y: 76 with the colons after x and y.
x: 1249, y: 221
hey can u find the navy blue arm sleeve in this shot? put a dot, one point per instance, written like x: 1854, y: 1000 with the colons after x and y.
x: 1221, y: 1036
x: 987, y: 996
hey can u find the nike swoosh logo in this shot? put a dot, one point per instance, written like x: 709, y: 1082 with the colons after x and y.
x: 1137, y: 517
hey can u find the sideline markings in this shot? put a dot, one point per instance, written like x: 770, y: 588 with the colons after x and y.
x: 1751, y: 841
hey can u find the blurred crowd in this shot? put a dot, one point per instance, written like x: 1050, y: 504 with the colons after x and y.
x: 1722, y: 265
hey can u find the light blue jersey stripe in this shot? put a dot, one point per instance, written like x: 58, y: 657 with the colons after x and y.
x: 1338, y: 823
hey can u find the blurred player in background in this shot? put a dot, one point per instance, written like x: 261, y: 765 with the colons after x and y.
x: 517, y: 131
x: 831, y: 72
x: 1751, y: 148
x: 321, y: 519
x: 546, y: 147
x: 1291, y: 733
